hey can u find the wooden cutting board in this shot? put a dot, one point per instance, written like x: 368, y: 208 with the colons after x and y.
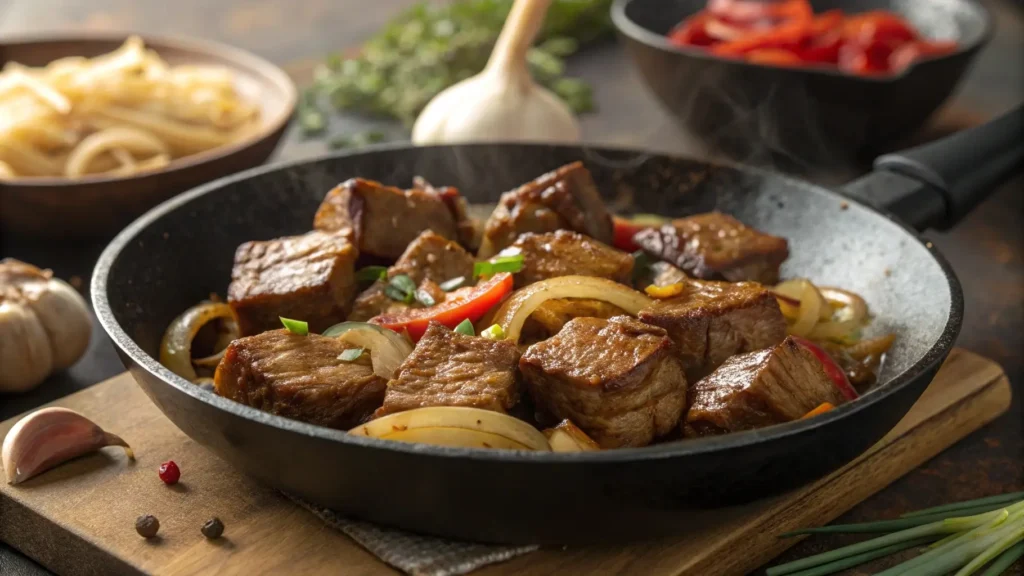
x: 79, y: 518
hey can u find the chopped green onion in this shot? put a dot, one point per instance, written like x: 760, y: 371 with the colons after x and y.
x: 295, y: 326
x: 958, y: 506
x: 351, y: 355
x: 494, y: 332
x: 1011, y: 555
x: 397, y: 294
x: 424, y: 297
x: 511, y: 264
x: 403, y: 283
x: 466, y: 327
x: 453, y: 284
x: 372, y: 274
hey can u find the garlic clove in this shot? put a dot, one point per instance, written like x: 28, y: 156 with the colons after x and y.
x: 65, y: 317
x: 25, y: 352
x: 52, y: 436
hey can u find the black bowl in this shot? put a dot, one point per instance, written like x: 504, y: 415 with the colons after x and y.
x: 798, y: 117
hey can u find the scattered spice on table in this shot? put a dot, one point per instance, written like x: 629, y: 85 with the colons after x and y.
x: 213, y: 528
x: 169, y: 472
x: 147, y: 526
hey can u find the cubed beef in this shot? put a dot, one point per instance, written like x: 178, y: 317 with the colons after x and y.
x: 761, y: 388
x: 469, y: 229
x: 451, y: 369
x: 710, y: 321
x: 383, y: 220
x: 428, y: 260
x: 716, y: 246
x: 617, y: 379
x: 300, y: 377
x: 552, y: 315
x: 564, y: 253
x: 565, y: 199
x: 308, y: 277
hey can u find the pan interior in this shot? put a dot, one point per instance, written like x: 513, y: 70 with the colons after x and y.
x: 182, y: 251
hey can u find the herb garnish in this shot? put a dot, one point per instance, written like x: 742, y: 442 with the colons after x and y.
x: 350, y: 355
x: 372, y: 274
x: 466, y: 327
x: 295, y: 326
x: 453, y: 284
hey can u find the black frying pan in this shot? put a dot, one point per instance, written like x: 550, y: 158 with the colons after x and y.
x: 799, y: 117
x: 182, y: 250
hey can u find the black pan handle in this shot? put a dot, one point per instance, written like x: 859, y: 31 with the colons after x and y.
x: 936, y: 184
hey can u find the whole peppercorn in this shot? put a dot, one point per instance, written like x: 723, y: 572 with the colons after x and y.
x: 213, y: 528
x: 169, y: 472
x: 147, y: 525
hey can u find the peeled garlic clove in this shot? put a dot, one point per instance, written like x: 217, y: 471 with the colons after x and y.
x: 52, y: 436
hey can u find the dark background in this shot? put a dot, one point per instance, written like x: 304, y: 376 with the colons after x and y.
x: 986, y: 250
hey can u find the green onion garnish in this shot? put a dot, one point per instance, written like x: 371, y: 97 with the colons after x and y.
x: 453, y: 284
x: 494, y: 332
x: 351, y: 355
x: 511, y: 264
x: 466, y: 327
x: 424, y: 297
x: 372, y: 274
x: 295, y: 326
x: 404, y: 283
x: 401, y: 288
x: 397, y: 295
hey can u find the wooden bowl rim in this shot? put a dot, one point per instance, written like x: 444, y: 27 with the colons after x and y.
x: 267, y: 72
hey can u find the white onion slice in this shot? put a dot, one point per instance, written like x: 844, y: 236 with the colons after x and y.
x: 525, y: 301
x: 455, y: 417
x: 176, y: 345
x: 567, y: 437
x: 811, y: 304
x: 388, y: 349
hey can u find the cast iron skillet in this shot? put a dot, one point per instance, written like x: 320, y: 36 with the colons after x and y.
x: 799, y: 116
x: 181, y: 251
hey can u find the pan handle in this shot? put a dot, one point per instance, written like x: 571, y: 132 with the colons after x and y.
x: 936, y: 184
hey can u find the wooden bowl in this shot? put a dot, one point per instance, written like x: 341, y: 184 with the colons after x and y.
x: 102, y: 205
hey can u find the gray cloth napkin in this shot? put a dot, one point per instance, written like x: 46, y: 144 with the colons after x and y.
x: 414, y: 554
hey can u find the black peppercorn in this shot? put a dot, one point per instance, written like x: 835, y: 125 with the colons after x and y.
x: 213, y: 528
x: 147, y: 526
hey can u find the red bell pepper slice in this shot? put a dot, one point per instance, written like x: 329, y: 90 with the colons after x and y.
x: 465, y: 303
x: 759, y: 12
x: 692, y: 31
x: 623, y: 233
x: 824, y: 37
x: 786, y: 36
x: 834, y: 372
x: 774, y: 57
x: 910, y: 52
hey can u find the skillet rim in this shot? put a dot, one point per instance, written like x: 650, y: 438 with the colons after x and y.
x: 691, y: 447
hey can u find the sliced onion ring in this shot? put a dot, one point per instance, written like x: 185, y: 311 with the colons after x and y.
x: 471, y: 420
x: 852, y: 313
x: 525, y: 301
x: 387, y: 348
x: 176, y: 345
x: 567, y: 437
x: 810, y: 308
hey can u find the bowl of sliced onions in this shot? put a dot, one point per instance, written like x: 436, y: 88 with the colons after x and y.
x: 96, y: 129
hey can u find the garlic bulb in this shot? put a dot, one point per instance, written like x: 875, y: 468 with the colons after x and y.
x: 501, y: 103
x: 44, y: 325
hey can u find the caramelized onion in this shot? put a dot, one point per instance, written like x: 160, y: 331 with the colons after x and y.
x: 874, y: 347
x: 567, y: 437
x: 387, y: 348
x: 850, y: 313
x: 176, y: 345
x: 809, y: 311
x: 525, y: 301
x: 456, y: 426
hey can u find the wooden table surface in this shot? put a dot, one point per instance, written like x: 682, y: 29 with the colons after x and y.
x: 986, y: 249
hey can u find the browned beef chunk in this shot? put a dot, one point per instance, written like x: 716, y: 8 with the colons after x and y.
x: 717, y: 246
x: 469, y: 229
x: 429, y: 260
x: 383, y: 219
x: 562, y: 253
x: 300, y: 377
x: 711, y: 321
x: 552, y: 315
x: 308, y: 277
x: 451, y: 369
x: 758, y: 389
x: 565, y: 199
x: 616, y: 379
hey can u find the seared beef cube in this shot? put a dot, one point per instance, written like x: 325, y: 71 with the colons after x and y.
x: 711, y: 321
x: 552, y: 315
x: 429, y: 260
x: 300, y: 377
x: 308, y: 277
x: 565, y: 199
x: 758, y: 389
x: 383, y: 220
x: 451, y: 369
x: 716, y: 246
x: 617, y: 379
x: 469, y: 229
x: 564, y: 253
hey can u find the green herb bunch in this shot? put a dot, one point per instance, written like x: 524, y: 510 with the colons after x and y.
x: 430, y: 47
